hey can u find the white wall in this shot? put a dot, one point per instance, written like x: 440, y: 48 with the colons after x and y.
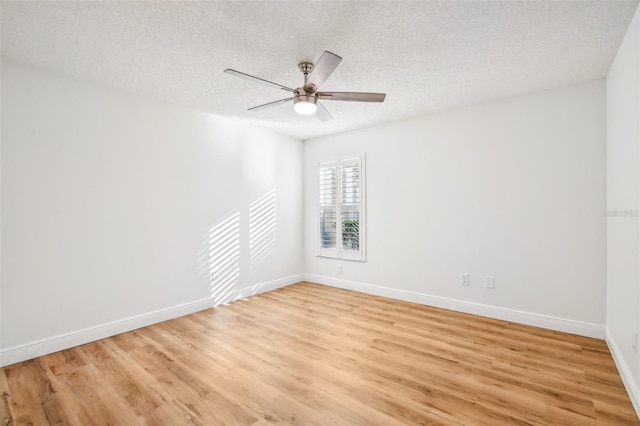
x: 623, y: 193
x: 113, y: 209
x: 513, y: 189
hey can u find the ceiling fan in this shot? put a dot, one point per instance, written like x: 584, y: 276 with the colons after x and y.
x: 306, y: 98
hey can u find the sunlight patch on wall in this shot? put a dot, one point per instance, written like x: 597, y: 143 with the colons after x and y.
x: 224, y: 258
x: 262, y: 228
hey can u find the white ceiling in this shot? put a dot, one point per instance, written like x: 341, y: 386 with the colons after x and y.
x: 426, y: 55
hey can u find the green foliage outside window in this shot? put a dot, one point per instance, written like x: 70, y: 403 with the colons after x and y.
x: 351, y: 234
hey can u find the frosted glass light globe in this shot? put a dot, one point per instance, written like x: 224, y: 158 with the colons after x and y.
x: 305, y: 105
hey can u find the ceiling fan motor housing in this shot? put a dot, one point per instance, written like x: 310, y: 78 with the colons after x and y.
x: 307, y: 97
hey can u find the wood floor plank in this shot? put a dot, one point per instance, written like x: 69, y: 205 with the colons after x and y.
x: 5, y: 403
x: 313, y: 355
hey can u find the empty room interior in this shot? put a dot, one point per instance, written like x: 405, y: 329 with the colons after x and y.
x: 315, y: 213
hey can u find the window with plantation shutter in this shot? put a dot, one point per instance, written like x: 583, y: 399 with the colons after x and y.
x: 341, y: 209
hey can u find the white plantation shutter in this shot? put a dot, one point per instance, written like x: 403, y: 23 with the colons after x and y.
x: 341, y: 209
x: 328, y: 214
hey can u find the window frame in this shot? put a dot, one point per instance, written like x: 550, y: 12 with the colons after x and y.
x: 338, y: 251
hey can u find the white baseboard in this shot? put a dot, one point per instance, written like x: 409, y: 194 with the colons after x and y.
x: 64, y: 341
x: 80, y: 337
x: 630, y: 384
x: 520, y: 317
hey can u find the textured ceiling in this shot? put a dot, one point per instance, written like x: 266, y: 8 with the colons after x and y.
x: 425, y: 55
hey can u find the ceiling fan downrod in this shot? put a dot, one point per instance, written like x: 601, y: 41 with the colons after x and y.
x: 305, y: 68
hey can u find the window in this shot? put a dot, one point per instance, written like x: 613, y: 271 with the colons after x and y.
x: 341, y: 209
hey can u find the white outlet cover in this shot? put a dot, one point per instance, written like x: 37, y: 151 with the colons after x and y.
x: 490, y: 282
x: 464, y: 279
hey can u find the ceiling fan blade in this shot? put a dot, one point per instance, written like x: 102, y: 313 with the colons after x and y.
x: 322, y: 112
x: 271, y: 104
x: 352, y: 96
x: 321, y: 71
x: 257, y: 79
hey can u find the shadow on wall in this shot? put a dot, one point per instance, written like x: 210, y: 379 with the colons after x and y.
x: 224, y: 258
x: 224, y: 249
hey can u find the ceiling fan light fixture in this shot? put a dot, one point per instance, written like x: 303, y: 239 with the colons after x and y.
x: 305, y: 105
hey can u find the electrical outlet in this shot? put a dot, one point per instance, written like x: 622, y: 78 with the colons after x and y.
x: 490, y: 282
x: 464, y: 279
x: 634, y: 341
x: 339, y: 268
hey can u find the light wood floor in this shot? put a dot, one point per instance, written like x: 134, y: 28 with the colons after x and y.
x: 314, y: 355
